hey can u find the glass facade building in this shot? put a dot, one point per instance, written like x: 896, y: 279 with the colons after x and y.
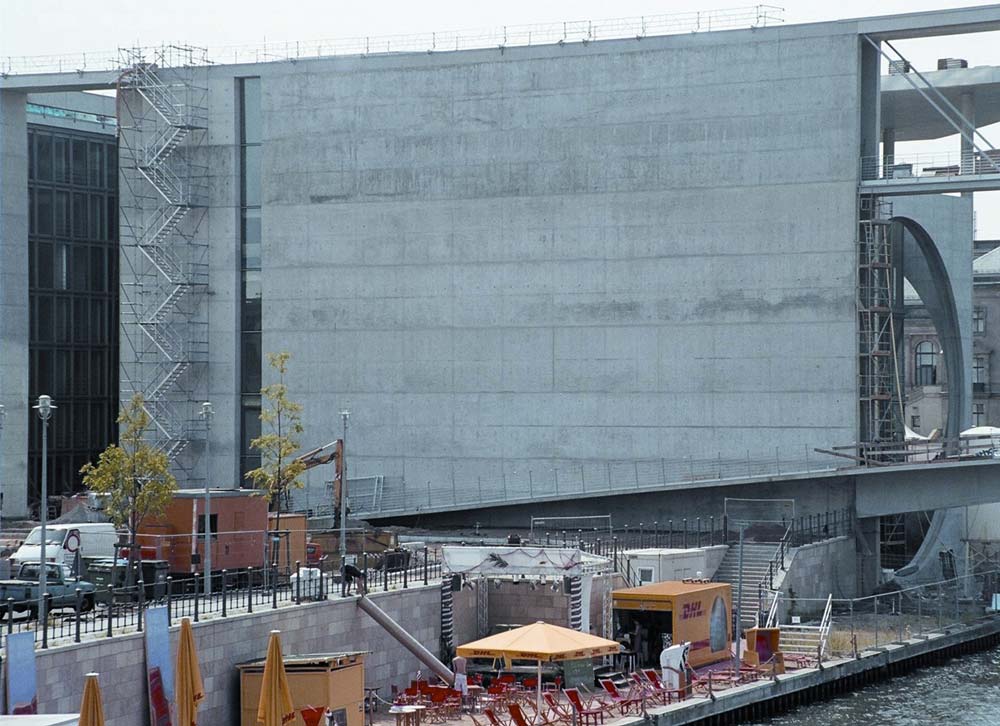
x: 250, y: 257
x: 73, y: 298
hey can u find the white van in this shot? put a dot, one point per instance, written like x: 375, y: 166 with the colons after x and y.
x: 63, y: 541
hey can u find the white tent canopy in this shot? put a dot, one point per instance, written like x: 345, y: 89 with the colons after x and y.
x: 520, y: 561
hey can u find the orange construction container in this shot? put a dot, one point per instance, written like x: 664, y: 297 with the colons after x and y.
x: 238, y: 521
x: 693, y: 612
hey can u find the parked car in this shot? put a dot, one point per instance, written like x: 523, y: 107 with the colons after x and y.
x: 63, y: 541
x: 62, y: 587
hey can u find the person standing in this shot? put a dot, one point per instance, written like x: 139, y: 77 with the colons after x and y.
x: 461, y: 679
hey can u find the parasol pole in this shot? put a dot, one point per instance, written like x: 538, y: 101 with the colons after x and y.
x: 538, y: 691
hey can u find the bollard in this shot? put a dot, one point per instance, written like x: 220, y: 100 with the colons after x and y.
x: 711, y: 531
x: 670, y: 534
x: 425, y: 565
x: 406, y: 571
x: 79, y: 610
x: 142, y: 602
x: 298, y: 582
x: 170, y: 596
x: 274, y: 591
x: 685, y: 540
x: 197, y: 580
x: 45, y: 623
x: 110, y: 610
x: 10, y: 615
x: 224, y: 592
x: 699, y: 532
x: 876, y: 621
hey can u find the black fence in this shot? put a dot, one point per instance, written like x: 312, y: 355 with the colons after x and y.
x: 81, y: 612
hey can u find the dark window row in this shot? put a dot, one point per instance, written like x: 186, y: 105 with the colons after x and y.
x: 73, y: 374
x: 65, y: 159
x: 64, y: 320
x: 76, y: 215
x: 73, y: 266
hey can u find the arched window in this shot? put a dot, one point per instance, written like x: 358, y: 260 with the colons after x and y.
x: 926, y: 364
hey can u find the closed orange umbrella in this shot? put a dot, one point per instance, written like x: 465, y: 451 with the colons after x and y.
x: 275, y: 706
x: 188, y: 690
x: 91, y: 708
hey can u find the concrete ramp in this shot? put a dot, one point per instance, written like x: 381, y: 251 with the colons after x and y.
x: 406, y: 640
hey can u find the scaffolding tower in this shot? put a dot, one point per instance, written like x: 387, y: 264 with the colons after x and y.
x: 878, y: 324
x: 162, y: 122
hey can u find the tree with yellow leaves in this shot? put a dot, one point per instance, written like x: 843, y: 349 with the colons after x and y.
x: 133, y: 475
x: 281, y: 421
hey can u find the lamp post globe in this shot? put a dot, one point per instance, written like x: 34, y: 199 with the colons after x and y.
x: 44, y: 407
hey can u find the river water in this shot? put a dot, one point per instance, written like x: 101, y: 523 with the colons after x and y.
x: 962, y: 691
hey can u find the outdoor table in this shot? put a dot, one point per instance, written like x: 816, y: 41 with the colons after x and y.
x: 475, y: 698
x: 406, y: 715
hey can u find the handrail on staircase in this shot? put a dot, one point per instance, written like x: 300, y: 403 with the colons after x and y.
x: 825, y: 626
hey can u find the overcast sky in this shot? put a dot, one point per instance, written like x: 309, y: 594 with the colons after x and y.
x: 47, y: 27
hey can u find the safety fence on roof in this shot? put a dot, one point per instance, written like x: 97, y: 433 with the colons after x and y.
x: 576, y: 31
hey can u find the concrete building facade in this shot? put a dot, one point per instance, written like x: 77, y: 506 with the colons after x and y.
x: 518, y: 262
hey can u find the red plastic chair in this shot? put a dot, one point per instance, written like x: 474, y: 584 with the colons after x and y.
x: 625, y: 701
x: 494, y: 719
x: 586, y: 713
x: 556, y: 712
x: 660, y: 687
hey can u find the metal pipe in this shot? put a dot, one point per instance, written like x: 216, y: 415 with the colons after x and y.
x: 406, y: 640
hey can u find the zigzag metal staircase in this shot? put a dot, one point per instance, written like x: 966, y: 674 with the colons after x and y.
x: 162, y: 118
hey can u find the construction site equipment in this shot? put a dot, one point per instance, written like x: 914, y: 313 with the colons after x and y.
x: 406, y: 640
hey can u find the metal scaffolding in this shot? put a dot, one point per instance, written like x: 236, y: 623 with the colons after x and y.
x: 878, y: 323
x: 162, y: 122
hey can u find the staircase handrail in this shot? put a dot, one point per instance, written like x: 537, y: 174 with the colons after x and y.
x: 825, y: 625
x: 772, y: 613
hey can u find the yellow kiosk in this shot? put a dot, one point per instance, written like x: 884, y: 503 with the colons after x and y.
x: 327, y: 680
x: 693, y: 611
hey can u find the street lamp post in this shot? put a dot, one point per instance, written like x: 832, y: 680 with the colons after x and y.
x: 207, y: 412
x: 45, y: 407
x: 344, y: 415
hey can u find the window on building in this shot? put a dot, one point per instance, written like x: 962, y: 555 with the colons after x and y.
x: 980, y: 377
x: 979, y: 321
x: 979, y: 414
x: 915, y: 422
x: 250, y: 122
x: 926, y: 364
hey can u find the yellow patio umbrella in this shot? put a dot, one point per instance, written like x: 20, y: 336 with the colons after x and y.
x: 188, y: 691
x: 275, y: 706
x: 91, y: 708
x: 541, y: 642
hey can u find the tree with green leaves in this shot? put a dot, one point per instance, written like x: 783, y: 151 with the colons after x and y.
x: 133, y: 476
x: 278, y: 443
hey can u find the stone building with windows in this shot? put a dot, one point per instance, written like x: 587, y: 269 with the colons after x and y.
x: 926, y: 380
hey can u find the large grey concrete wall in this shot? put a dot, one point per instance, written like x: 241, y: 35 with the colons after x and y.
x: 328, y: 627
x: 14, y: 303
x: 817, y: 571
x: 520, y: 259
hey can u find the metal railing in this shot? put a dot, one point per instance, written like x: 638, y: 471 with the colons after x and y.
x: 849, y: 626
x: 585, y: 477
x: 937, y: 166
x: 754, y: 16
x: 113, y: 611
